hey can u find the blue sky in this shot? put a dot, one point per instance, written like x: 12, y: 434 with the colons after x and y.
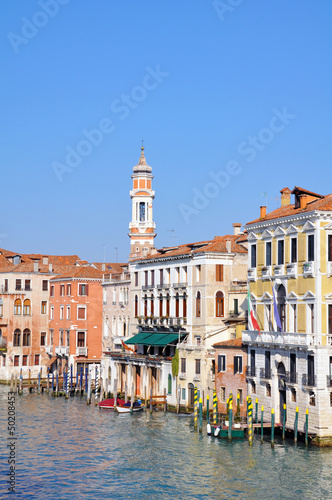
x: 232, y: 99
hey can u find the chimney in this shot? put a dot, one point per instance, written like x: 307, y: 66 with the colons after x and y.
x: 236, y: 228
x: 303, y: 201
x: 263, y: 212
x: 285, y: 196
x: 228, y: 246
x: 35, y: 267
x: 144, y: 252
x: 103, y: 267
x: 50, y: 268
x: 45, y: 260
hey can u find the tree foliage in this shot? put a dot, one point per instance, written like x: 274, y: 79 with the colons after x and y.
x: 175, y: 364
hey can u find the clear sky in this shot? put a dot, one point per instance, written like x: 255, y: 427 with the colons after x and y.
x: 231, y: 97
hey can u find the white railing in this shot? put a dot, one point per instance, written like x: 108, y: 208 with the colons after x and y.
x: 266, y: 273
x: 252, y: 274
x: 58, y: 351
x: 49, y: 349
x: 81, y: 351
x: 308, y: 269
x: 64, y: 351
x: 278, y: 338
x: 291, y: 269
x: 279, y: 270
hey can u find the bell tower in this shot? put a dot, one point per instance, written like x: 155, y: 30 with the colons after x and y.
x: 142, y: 228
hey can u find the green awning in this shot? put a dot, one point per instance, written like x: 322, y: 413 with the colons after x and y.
x: 163, y: 340
x: 139, y: 338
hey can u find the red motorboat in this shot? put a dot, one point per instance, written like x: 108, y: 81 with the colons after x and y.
x: 109, y: 403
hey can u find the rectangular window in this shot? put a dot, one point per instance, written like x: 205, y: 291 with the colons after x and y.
x: 43, y: 307
x: 268, y: 253
x: 27, y: 285
x: 253, y: 256
x: 62, y: 290
x: 183, y: 396
x: 146, y: 278
x: 268, y: 390
x: 311, y: 318
x: 281, y: 257
x: 267, y: 364
x: 152, y: 278
x: 197, y: 366
x: 52, y: 312
x: 17, y: 338
x: 26, y: 338
x: 183, y: 365
x: 177, y: 275
x: 329, y: 248
x: 240, y: 396
x: 83, y: 289
x: 44, y: 285
x: 223, y: 394
x: 292, y: 371
x: 136, y: 279
x: 221, y: 363
x: 18, y: 285
x: 81, y: 313
x: 24, y: 360
x: 68, y: 312
x: 311, y: 247
x: 36, y: 359
x: 61, y: 312
x: 6, y: 285
x: 16, y: 360
x: 161, y: 276
x: 80, y: 339
x: 198, y: 273
x: 52, y: 291
x: 219, y: 272
x: 69, y: 290
x: 293, y: 250
x: 311, y: 370
x: 236, y: 306
x: 68, y: 338
x: 237, y: 364
x: 43, y: 338
x: 61, y: 338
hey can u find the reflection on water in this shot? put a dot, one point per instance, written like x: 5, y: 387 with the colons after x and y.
x: 66, y: 449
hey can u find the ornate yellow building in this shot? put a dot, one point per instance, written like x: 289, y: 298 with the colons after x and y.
x: 290, y: 359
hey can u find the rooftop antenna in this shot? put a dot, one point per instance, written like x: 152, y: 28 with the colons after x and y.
x: 172, y: 231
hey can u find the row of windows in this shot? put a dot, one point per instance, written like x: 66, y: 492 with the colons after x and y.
x: 81, y: 312
x: 181, y: 275
x: 183, y: 367
x: 239, y: 395
x: 83, y: 289
x: 26, y: 309
x: 25, y: 360
x: 237, y: 364
x: 293, y: 251
x: 24, y: 285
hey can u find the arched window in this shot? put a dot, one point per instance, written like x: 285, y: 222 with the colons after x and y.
x: 160, y: 305
x: 167, y: 304
x: 26, y: 337
x: 17, y: 338
x: 177, y: 305
x: 18, y: 307
x: 169, y: 383
x: 184, y: 313
x: 198, y: 305
x: 136, y: 306
x: 152, y: 306
x: 27, y: 307
x: 219, y: 304
x: 282, y: 306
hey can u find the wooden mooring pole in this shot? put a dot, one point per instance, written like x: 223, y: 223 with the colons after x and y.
x: 262, y: 423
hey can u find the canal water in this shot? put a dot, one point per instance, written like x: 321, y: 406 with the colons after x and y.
x: 68, y: 450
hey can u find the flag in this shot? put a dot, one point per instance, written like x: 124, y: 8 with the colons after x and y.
x: 275, y: 309
x: 126, y: 347
x: 253, y: 324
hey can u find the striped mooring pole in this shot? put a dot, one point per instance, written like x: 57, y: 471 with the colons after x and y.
x: 215, y: 404
x: 250, y: 423
x: 272, y: 428
x: 57, y: 383
x: 200, y: 415
x: 68, y: 380
x: 208, y: 409
x: 296, y: 424
x: 86, y: 379
x: 71, y: 378
x: 96, y: 385
x: 262, y: 424
x: 284, y: 423
x: 195, y: 408
x: 88, y: 399
x: 52, y: 381
x: 230, y: 419
x: 81, y: 379
x: 256, y: 411
x: 306, y: 426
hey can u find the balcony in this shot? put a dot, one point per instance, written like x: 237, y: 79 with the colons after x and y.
x: 197, y: 378
x: 278, y: 338
x: 147, y: 287
x: 291, y: 378
x: 182, y: 376
x: 81, y: 351
x: 329, y: 381
x: 184, y: 284
x: 265, y: 374
x: 329, y: 269
x: 3, y: 289
x: 308, y: 269
x: 279, y: 270
x: 250, y: 371
x: 291, y: 270
x: 309, y: 380
x: 62, y: 351
x: 49, y: 349
x: 252, y: 274
x: 266, y: 273
x: 163, y: 286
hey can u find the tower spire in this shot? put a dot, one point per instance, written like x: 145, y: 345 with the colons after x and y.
x: 142, y: 228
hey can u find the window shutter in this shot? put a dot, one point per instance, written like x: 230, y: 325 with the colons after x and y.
x: 87, y: 289
x: 219, y: 363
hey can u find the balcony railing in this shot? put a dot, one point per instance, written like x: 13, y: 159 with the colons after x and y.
x: 251, y: 371
x: 291, y: 378
x: 184, y: 284
x: 309, y: 380
x: 329, y: 381
x: 81, y: 351
x: 291, y: 269
x: 62, y: 351
x: 266, y: 273
x: 197, y: 378
x: 278, y: 338
x: 163, y: 286
x: 182, y: 376
x: 148, y: 287
x: 49, y: 349
x: 252, y: 274
x: 279, y: 270
x: 308, y: 269
x: 265, y: 373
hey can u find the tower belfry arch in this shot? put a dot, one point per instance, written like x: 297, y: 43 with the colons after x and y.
x: 142, y: 228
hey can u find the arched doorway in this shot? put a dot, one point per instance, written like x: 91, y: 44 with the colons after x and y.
x: 281, y: 297
x: 281, y: 372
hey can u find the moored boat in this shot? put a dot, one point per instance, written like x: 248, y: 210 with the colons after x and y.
x: 126, y: 408
x: 109, y: 403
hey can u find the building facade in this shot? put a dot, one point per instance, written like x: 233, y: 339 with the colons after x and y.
x: 290, y: 282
